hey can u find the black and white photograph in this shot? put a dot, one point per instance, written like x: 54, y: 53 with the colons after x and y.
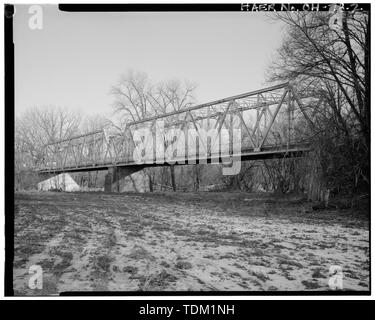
x: 168, y: 149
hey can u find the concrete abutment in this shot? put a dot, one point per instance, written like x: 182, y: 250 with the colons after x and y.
x: 115, y: 174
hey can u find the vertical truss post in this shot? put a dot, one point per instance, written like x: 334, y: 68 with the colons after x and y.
x: 292, y: 131
x: 265, y: 109
x: 209, y: 145
x: 231, y: 133
x: 273, y: 118
x: 153, y: 131
x: 256, y: 130
x: 221, y: 120
x: 126, y: 137
x: 186, y: 132
x: 132, y: 140
x: 289, y: 119
x: 93, y: 153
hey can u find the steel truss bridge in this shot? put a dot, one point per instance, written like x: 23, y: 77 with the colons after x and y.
x: 266, y: 118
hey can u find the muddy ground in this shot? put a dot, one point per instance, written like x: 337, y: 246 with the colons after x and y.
x: 185, y: 242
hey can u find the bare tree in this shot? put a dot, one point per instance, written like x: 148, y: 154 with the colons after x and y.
x: 40, y: 126
x: 331, y: 63
x: 37, y: 127
x: 131, y: 94
x: 172, y: 95
x: 137, y: 98
x: 94, y: 123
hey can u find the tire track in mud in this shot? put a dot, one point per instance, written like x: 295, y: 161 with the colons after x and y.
x: 133, y: 242
x: 75, y: 258
x: 34, y: 248
x: 93, y: 252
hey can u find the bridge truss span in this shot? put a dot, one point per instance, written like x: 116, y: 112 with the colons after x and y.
x: 264, y: 122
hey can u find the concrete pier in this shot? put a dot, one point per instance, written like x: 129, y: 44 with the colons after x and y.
x: 115, y: 174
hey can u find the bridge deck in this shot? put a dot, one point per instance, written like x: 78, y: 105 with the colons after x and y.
x: 245, y: 155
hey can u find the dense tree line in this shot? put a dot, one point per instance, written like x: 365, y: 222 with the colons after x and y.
x: 327, y: 56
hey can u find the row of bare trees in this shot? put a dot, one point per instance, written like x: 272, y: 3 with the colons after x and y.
x: 331, y: 62
x: 39, y: 126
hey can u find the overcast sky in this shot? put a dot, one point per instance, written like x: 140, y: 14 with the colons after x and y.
x: 73, y: 61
